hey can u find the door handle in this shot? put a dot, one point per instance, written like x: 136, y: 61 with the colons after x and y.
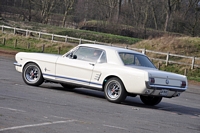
x: 91, y: 64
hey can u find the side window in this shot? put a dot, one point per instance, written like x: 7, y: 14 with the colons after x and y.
x: 81, y: 53
x: 87, y: 54
x: 95, y: 55
x: 137, y: 61
x: 130, y: 59
x: 127, y: 58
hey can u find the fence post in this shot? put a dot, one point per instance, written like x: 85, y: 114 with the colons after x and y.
x: 167, y: 58
x: 95, y: 42
x: 28, y: 45
x: 4, y: 41
x: 185, y: 72
x: 43, y: 46
x: 26, y: 33
x: 80, y: 41
x: 15, y: 44
x: 158, y: 65
x: 66, y: 38
x: 39, y: 35
x: 14, y: 30
x: 193, y: 61
x: 58, y: 50
x: 2, y: 28
x: 144, y: 51
x: 52, y: 37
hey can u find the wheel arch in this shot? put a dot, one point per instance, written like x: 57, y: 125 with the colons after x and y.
x: 39, y: 79
x: 111, y: 76
x: 31, y: 62
x: 28, y: 62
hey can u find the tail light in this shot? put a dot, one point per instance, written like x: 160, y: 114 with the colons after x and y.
x: 183, y: 84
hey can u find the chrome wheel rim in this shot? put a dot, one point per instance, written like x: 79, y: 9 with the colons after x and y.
x: 32, y: 74
x: 114, y: 89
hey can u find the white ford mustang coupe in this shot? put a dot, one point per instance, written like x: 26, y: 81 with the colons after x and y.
x: 117, y: 71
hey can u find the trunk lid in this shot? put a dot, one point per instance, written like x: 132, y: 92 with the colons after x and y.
x: 167, y: 78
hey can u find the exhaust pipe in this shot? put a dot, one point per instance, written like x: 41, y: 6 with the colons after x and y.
x: 178, y: 94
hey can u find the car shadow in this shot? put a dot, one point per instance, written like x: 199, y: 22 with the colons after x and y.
x: 83, y: 91
x: 134, y: 101
x: 165, y: 106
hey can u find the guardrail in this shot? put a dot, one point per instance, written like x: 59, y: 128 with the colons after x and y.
x: 194, y: 61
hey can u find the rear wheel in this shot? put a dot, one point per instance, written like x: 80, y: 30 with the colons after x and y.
x: 114, y: 90
x: 150, y: 100
x: 32, y: 75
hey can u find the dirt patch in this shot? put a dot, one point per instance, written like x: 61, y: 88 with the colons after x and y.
x: 8, y: 53
x: 192, y: 82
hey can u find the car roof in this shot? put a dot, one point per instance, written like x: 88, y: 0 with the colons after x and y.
x: 113, y: 48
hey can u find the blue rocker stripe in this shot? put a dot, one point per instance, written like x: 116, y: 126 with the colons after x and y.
x: 50, y: 75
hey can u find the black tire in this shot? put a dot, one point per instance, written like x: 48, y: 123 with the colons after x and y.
x: 150, y: 100
x: 66, y: 86
x: 32, y: 75
x: 114, y: 90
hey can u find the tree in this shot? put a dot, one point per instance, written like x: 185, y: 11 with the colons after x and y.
x: 26, y: 5
x: 118, y: 9
x: 108, y: 8
x: 192, y: 18
x: 45, y: 7
x: 68, y: 5
x: 170, y: 8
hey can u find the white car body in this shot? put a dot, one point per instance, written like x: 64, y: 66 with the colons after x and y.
x: 137, y: 80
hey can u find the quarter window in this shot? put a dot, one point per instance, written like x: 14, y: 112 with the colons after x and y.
x: 136, y: 59
x: 103, y: 58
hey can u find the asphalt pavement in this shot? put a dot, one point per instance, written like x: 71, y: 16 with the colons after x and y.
x: 51, y: 109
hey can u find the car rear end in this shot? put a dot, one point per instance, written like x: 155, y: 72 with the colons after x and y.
x: 165, y: 84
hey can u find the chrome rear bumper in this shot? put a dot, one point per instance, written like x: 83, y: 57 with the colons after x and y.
x: 161, y: 87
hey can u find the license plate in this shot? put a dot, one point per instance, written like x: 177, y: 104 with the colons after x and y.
x: 163, y: 92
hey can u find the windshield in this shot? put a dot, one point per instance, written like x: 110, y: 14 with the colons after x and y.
x: 136, y: 59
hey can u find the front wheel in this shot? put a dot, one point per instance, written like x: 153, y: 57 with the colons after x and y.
x: 150, y: 100
x: 114, y: 90
x: 32, y: 75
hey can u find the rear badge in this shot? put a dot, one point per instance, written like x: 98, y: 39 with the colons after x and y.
x: 167, y: 81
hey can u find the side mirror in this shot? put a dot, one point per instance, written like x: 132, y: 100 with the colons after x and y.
x: 70, y: 55
x: 74, y: 56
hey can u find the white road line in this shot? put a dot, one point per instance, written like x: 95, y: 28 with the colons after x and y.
x: 11, y: 109
x: 59, y: 117
x: 115, y: 127
x: 35, y: 125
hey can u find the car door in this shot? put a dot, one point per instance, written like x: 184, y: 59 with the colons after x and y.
x: 77, y: 67
x: 99, y: 70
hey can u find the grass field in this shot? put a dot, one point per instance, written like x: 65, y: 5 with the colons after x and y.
x: 189, y: 46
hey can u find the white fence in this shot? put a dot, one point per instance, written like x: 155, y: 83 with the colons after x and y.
x: 194, y: 61
x: 41, y: 35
